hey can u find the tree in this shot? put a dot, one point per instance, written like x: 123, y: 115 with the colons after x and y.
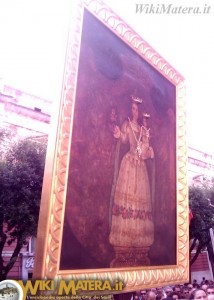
x: 21, y: 177
x: 201, y: 201
x: 6, y: 136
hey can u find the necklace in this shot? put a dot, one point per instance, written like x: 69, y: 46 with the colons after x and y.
x: 138, y: 149
x: 146, y: 130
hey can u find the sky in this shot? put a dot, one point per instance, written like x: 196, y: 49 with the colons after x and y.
x: 33, y: 36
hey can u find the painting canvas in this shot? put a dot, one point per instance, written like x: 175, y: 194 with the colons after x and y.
x: 115, y: 199
x: 110, y: 74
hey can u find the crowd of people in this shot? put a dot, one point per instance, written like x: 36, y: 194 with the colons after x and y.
x: 203, y: 290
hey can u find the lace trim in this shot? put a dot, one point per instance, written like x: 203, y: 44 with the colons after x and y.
x: 129, y: 213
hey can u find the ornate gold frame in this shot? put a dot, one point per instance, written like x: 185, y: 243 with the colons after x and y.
x: 56, y: 170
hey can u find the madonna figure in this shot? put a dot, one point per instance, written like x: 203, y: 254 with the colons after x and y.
x: 132, y: 228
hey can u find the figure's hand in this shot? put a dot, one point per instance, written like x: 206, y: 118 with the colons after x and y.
x: 116, y: 132
x: 150, y: 153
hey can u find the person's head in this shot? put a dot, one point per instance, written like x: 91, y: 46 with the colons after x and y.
x: 196, y: 286
x: 210, y: 290
x: 199, y: 294
x: 143, y: 294
x: 138, y: 295
x: 204, y: 287
x: 150, y: 295
x: 185, y: 293
x: 175, y: 295
x: 145, y: 119
x: 168, y: 291
x: 159, y: 290
x: 177, y: 289
x: 135, y: 111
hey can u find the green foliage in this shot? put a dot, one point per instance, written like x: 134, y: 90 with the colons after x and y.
x: 201, y: 202
x: 4, y: 133
x: 5, y: 140
x: 21, y: 177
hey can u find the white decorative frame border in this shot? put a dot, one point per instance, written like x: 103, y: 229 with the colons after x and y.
x: 56, y: 170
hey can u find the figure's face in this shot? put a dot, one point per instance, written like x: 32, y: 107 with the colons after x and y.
x: 200, y: 295
x: 145, y: 122
x: 135, y: 111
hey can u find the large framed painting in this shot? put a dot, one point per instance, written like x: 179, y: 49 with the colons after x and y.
x: 114, y: 200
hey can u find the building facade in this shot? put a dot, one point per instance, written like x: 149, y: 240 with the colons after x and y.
x: 23, y: 113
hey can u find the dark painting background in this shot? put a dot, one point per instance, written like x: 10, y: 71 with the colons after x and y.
x: 109, y: 73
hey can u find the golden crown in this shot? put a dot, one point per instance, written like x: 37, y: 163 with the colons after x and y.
x: 136, y: 99
x: 145, y: 115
